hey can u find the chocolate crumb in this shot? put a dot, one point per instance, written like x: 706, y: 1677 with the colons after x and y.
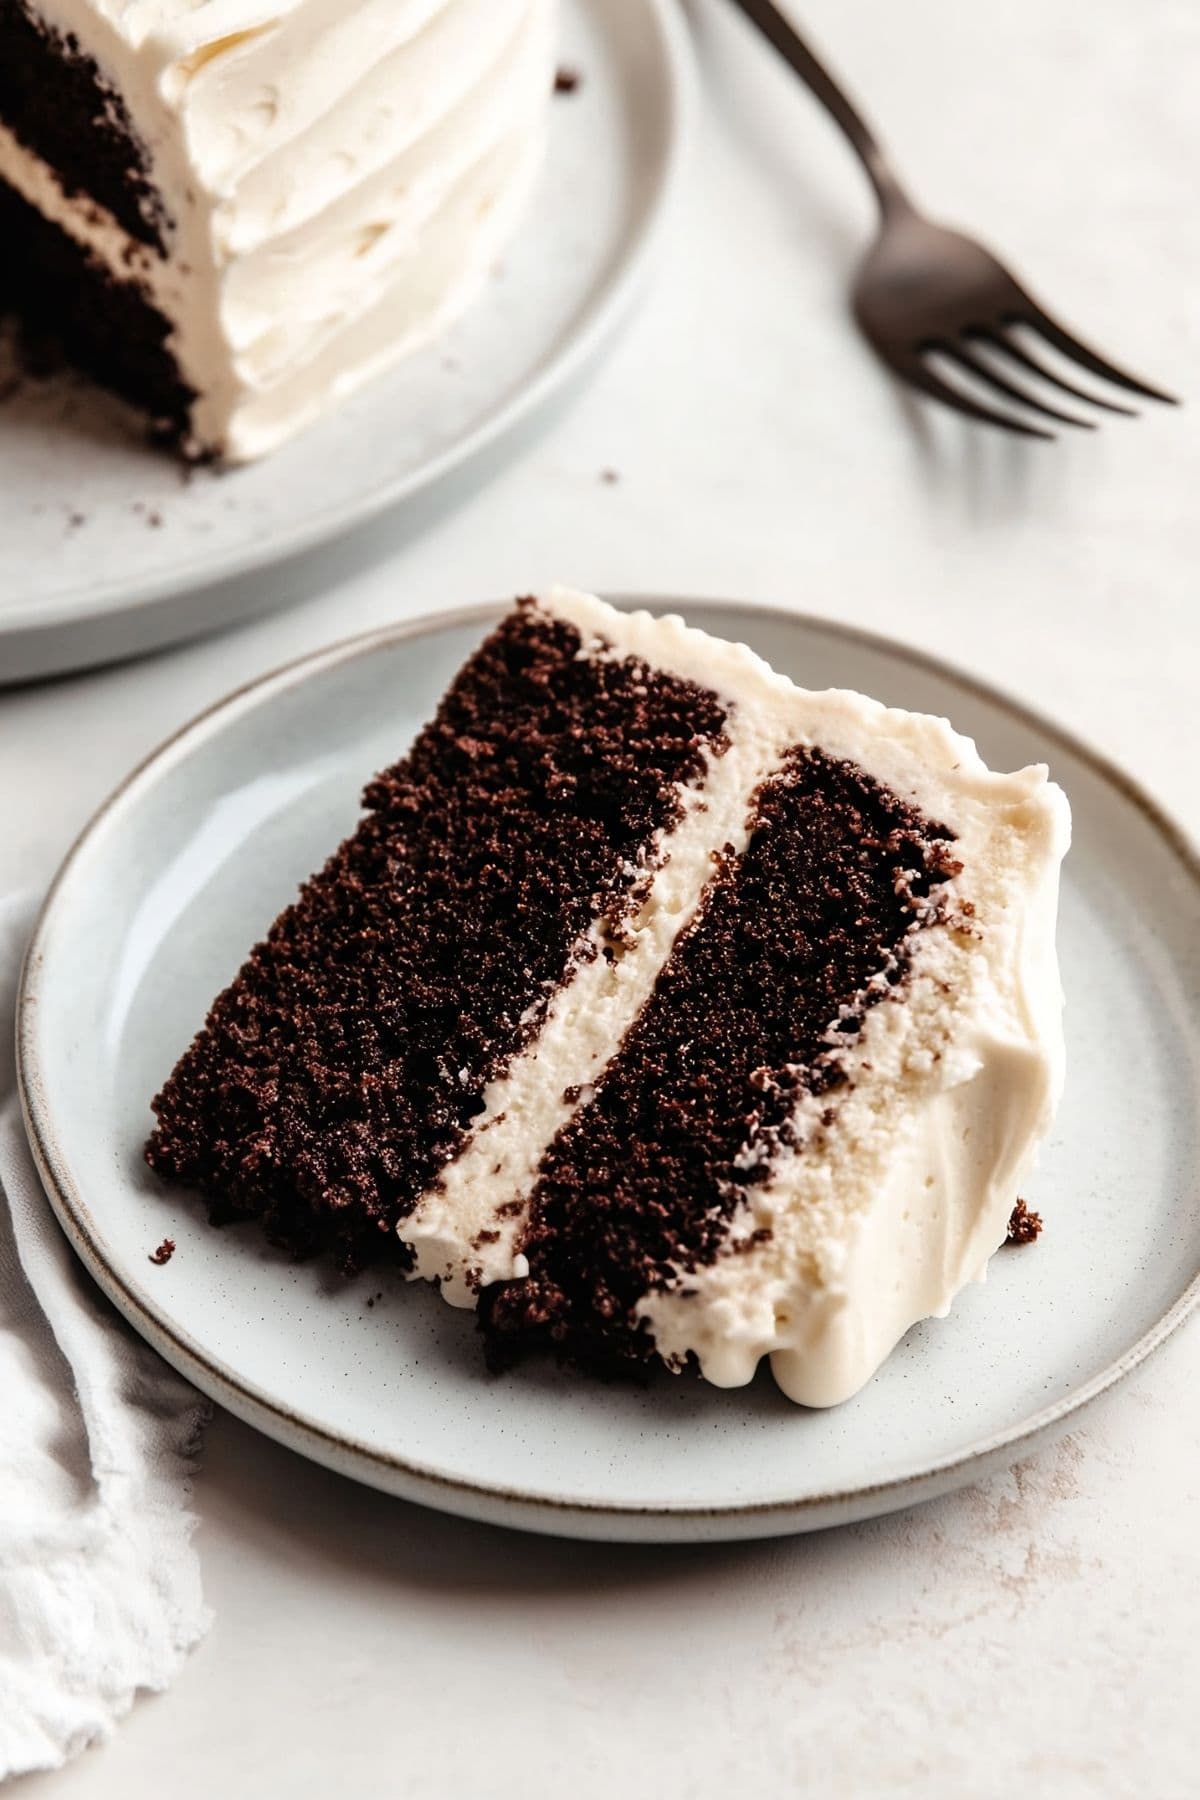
x: 1024, y: 1227
x: 610, y: 477
x: 567, y: 81
x: 164, y: 1253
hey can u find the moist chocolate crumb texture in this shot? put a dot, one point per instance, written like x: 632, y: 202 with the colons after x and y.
x: 235, y: 220
x: 1024, y: 1227
x: 659, y: 1009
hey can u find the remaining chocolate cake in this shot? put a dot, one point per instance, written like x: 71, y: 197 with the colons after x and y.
x: 657, y: 1007
x: 234, y: 218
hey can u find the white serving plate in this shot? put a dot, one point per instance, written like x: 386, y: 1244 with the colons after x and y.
x: 111, y: 548
x: 197, y: 852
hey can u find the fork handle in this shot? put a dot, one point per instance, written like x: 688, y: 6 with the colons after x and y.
x: 833, y: 97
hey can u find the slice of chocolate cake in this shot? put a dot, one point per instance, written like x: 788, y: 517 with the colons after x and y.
x: 234, y: 215
x: 659, y: 1008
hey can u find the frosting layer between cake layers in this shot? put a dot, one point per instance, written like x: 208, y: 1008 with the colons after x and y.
x: 325, y: 186
x: 692, y: 1158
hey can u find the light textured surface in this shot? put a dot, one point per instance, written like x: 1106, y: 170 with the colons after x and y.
x: 1038, y: 1635
x: 99, y: 1582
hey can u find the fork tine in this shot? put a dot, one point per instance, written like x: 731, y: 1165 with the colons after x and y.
x: 984, y: 372
x: 918, y: 375
x: 1002, y: 342
x: 1087, y: 359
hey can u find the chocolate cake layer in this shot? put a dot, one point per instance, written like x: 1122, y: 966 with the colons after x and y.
x: 107, y: 328
x: 55, y: 100
x: 343, y: 1067
x: 836, y: 879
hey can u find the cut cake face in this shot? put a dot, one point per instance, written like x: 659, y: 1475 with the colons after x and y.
x: 659, y: 1008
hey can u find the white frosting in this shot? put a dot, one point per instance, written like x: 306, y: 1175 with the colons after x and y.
x: 880, y: 1218
x: 339, y: 180
x: 881, y: 1215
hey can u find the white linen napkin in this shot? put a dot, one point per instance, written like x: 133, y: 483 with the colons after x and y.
x: 99, y: 1584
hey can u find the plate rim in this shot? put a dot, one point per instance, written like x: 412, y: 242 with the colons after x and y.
x: 522, y: 1506
x: 120, y: 599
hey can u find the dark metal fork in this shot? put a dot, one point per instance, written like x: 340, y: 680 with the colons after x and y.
x: 924, y: 290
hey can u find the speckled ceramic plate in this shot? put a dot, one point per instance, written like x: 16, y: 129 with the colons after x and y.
x: 111, y: 551
x: 200, y: 849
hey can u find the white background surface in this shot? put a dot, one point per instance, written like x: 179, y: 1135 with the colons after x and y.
x: 1036, y: 1635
